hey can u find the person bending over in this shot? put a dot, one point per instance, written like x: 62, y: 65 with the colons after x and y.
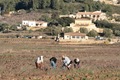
x: 66, y: 62
x: 53, y: 61
x: 76, y: 63
x: 39, y: 62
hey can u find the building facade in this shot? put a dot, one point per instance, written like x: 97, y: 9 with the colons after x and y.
x: 34, y: 25
x: 84, y: 23
x: 96, y: 15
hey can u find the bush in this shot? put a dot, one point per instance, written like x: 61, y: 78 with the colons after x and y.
x: 65, y: 21
x: 108, y: 32
x: 92, y: 33
x: 84, y: 30
x: 66, y: 29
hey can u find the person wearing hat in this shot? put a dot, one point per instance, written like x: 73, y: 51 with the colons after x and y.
x: 53, y: 61
x: 76, y: 63
x: 39, y: 62
x: 66, y: 62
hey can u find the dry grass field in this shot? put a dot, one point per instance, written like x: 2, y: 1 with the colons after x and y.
x: 17, y: 56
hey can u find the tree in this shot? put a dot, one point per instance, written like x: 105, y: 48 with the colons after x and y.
x: 21, y: 5
x: 92, y: 33
x: 66, y: 29
x: 35, y: 4
x: 54, y: 4
x: 65, y: 21
x: 108, y: 32
x: 45, y: 17
x: 80, y: 1
x: 103, y: 24
x: 67, y: 1
x: 117, y: 32
x: 53, y: 30
x: 41, y: 4
x: 84, y: 30
x: 4, y: 27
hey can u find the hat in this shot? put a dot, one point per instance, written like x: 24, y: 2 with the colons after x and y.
x: 77, y: 59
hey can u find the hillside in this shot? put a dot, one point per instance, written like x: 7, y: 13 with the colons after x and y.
x: 16, y: 19
x: 33, y: 12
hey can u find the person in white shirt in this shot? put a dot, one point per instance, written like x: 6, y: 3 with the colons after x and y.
x: 39, y: 62
x: 66, y: 62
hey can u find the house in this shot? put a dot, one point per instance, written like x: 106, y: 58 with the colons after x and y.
x: 110, y: 1
x: 34, y: 24
x: 96, y: 15
x: 72, y: 36
x: 84, y: 23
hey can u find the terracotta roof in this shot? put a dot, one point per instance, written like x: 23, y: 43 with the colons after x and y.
x: 75, y: 34
x: 89, y: 13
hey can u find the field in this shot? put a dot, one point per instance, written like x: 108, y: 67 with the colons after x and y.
x: 17, y: 56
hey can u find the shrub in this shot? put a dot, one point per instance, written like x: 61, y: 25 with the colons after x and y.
x: 92, y: 33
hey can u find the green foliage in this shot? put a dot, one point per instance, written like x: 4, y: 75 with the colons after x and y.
x: 108, y: 32
x: 107, y: 8
x: 45, y: 17
x: 116, y: 9
x: 66, y: 30
x: 92, y: 33
x: 64, y: 6
x: 80, y: 1
x: 117, y: 32
x: 117, y: 18
x: 4, y: 27
x: 67, y: 1
x: 84, y: 30
x: 52, y: 30
x: 65, y: 21
x: 13, y: 27
x: 103, y: 24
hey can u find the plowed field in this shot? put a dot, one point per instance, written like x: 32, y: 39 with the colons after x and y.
x: 98, y: 61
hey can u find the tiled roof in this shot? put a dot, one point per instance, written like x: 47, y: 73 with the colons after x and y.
x: 89, y: 13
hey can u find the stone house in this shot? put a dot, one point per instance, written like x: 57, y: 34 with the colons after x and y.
x: 96, y: 15
x: 84, y: 23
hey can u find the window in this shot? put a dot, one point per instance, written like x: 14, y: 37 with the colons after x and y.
x: 82, y: 37
x: 73, y: 36
x: 77, y: 37
x: 37, y: 24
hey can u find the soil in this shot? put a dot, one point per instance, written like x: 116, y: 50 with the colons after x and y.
x: 17, y: 57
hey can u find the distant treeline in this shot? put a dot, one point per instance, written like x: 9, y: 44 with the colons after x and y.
x: 64, y: 6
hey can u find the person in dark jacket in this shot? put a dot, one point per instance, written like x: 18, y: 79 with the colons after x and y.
x: 53, y: 62
x: 76, y: 63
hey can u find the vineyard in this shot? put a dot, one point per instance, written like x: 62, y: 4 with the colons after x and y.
x: 98, y: 61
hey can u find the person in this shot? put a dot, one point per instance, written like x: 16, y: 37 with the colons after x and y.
x: 39, y: 62
x: 53, y: 61
x: 66, y: 62
x: 76, y: 63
